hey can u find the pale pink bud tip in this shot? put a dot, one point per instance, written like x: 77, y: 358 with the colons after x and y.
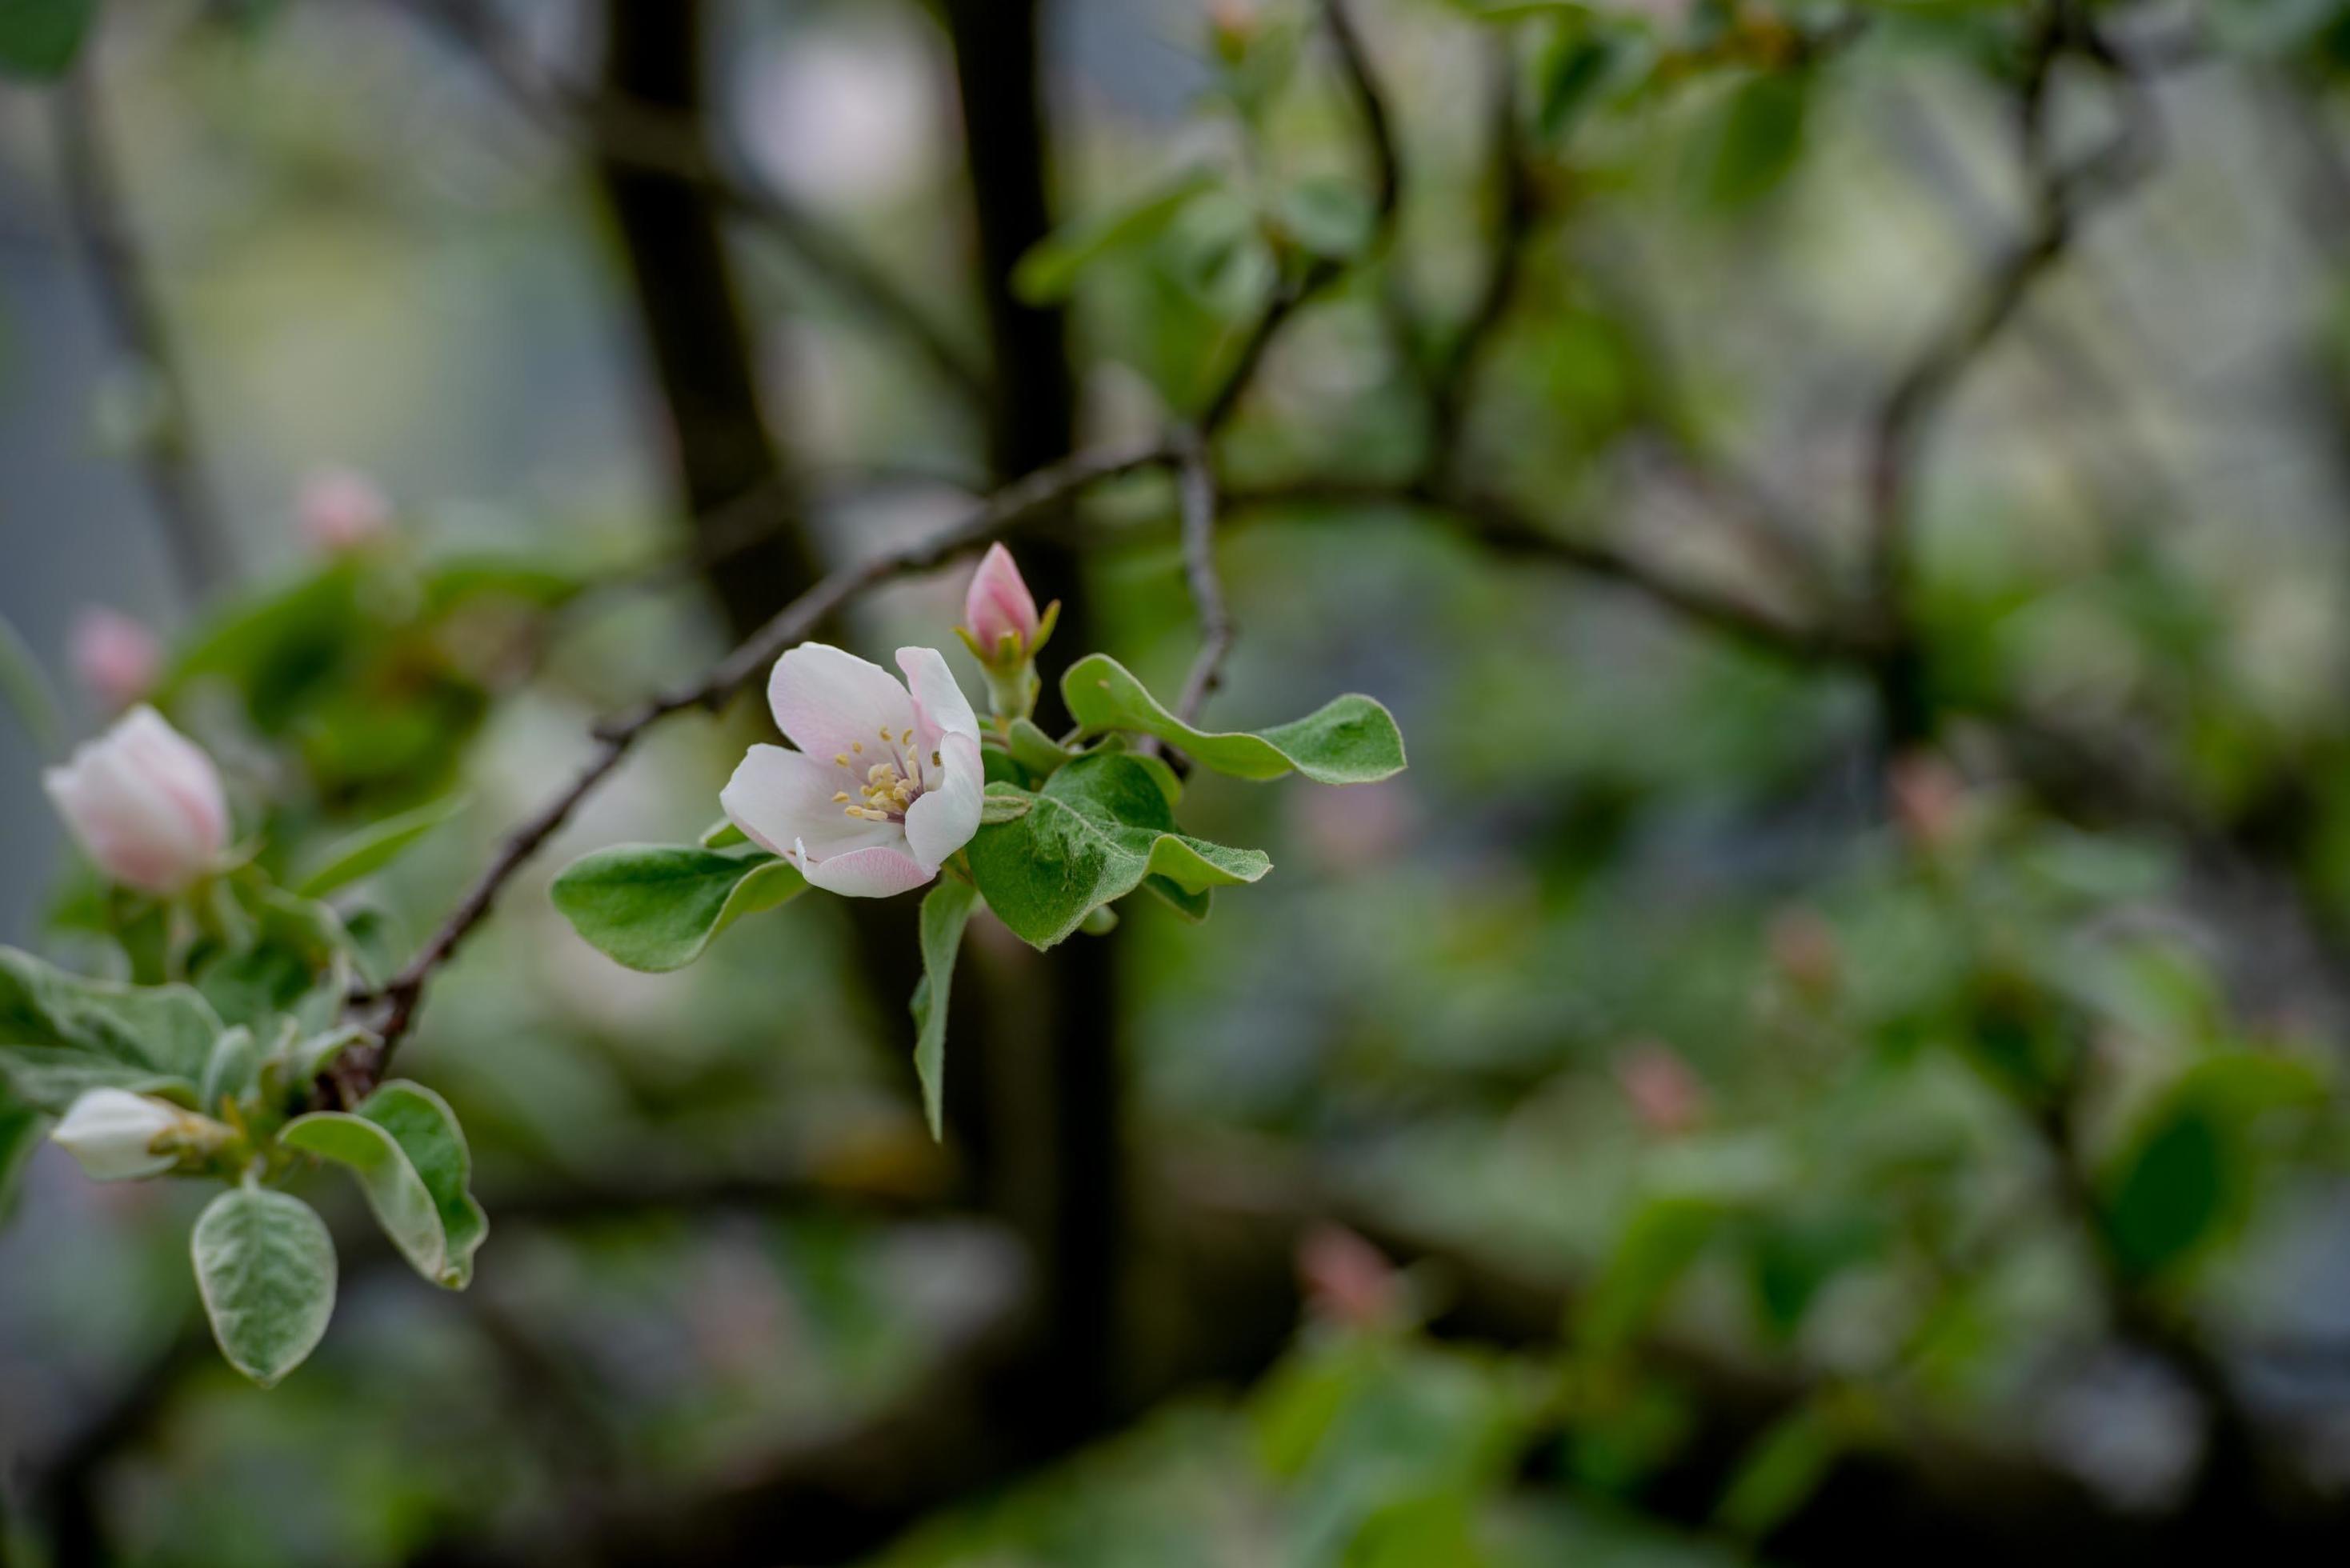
x: 115, y: 658
x: 998, y: 606
x: 1347, y: 1279
x: 1664, y: 1092
x: 145, y: 802
x: 341, y: 509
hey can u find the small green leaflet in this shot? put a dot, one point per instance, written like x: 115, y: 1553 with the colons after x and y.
x: 946, y: 910
x: 265, y: 1268
x: 372, y: 848
x: 1098, y: 828
x: 655, y: 907
x: 1004, y: 803
x: 1349, y: 740
x: 1049, y: 273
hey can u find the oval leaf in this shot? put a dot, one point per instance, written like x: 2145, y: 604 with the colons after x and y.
x: 394, y: 1191
x: 266, y: 1269
x: 427, y: 1132
x: 655, y: 907
x: 1098, y: 828
x: 39, y: 39
x: 1350, y: 740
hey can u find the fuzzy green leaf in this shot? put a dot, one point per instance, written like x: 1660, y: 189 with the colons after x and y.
x: 1350, y: 740
x: 655, y: 907
x: 946, y: 910
x: 394, y: 1191
x: 61, y: 1033
x: 372, y: 848
x: 427, y: 1132
x: 1099, y: 827
x: 266, y: 1269
x: 1004, y: 803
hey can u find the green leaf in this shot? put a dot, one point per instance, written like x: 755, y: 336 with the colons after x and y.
x: 372, y: 848
x: 375, y: 943
x: 2186, y: 1177
x: 1754, y: 139
x: 1004, y: 803
x: 428, y: 1133
x: 1351, y: 740
x: 1779, y: 1473
x: 39, y: 39
x: 265, y: 1268
x: 1099, y: 827
x: 1327, y: 216
x: 1033, y: 750
x: 1048, y: 274
x: 61, y: 1033
x: 946, y: 910
x: 233, y: 1071
x: 1663, y: 1237
x: 655, y: 907
x: 292, y: 962
x: 394, y: 1191
x: 722, y: 835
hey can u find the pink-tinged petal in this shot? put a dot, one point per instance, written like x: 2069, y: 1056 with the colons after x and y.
x: 784, y: 799
x: 829, y: 701
x: 998, y: 604
x: 874, y: 873
x: 341, y: 509
x: 145, y: 802
x: 944, y: 820
x: 939, y: 703
x: 116, y: 658
x: 183, y: 773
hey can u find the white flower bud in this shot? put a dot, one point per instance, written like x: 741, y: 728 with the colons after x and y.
x: 116, y: 1135
x: 146, y: 801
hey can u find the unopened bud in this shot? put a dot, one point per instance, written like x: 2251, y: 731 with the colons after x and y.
x: 119, y: 1136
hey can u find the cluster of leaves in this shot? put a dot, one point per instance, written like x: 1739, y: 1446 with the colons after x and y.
x: 1069, y: 828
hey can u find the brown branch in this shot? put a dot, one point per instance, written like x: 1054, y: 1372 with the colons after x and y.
x: 360, y: 1069
x: 1499, y: 527
x: 2062, y: 198
x: 650, y: 140
x: 1322, y: 271
x: 118, y: 271
x: 1453, y: 381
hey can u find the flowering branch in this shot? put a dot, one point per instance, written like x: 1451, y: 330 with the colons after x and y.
x: 361, y: 1068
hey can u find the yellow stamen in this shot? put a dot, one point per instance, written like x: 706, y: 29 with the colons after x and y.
x: 841, y: 757
x: 840, y: 795
x: 857, y: 746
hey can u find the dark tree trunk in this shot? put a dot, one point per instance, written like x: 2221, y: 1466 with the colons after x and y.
x: 1053, y: 1143
x: 695, y: 333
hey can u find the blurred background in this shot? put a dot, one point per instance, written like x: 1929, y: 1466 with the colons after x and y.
x: 1831, y: 1054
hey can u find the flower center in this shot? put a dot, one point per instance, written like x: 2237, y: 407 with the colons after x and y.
x: 888, y: 785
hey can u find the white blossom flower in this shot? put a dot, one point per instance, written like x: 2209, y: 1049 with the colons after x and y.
x: 885, y: 784
x: 146, y: 801
x: 116, y: 1135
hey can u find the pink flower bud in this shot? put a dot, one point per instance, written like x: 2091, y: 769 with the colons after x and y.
x: 145, y: 802
x: 1347, y: 1279
x: 1664, y: 1092
x: 114, y: 656
x: 341, y: 509
x: 998, y: 606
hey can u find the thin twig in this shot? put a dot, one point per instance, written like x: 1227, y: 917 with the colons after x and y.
x: 1195, y: 489
x: 1455, y: 377
x: 1048, y: 487
x: 1323, y: 271
x: 192, y: 527
x: 640, y: 136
